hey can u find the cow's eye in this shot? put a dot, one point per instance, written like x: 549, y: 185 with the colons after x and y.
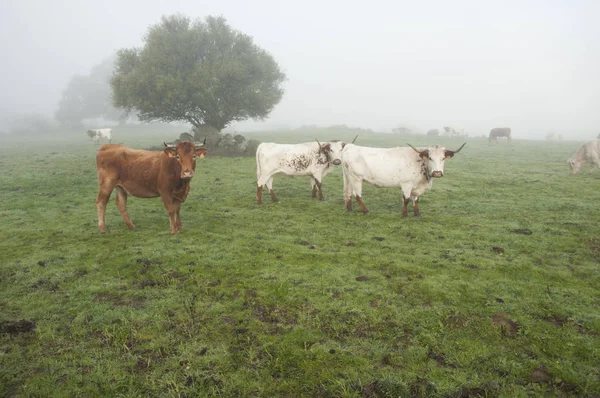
x: 194, y: 156
x: 177, y: 156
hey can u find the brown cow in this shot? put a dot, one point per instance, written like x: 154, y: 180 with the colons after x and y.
x: 499, y: 132
x: 146, y: 174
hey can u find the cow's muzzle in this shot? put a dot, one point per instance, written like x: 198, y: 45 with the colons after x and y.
x: 337, y: 162
x: 437, y: 174
x: 187, y: 174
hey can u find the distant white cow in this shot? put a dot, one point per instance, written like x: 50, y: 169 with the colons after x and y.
x: 96, y: 134
x: 307, y: 159
x: 411, y: 169
x: 588, y: 153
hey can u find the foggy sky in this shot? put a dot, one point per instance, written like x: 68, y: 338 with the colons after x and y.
x: 533, y: 66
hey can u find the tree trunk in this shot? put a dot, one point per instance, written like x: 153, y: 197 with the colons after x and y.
x: 207, y: 131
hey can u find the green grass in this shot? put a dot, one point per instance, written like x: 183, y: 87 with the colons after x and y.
x: 300, y: 297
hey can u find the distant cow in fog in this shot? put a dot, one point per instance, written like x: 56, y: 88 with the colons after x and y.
x: 453, y: 131
x: 146, y: 174
x: 411, y: 169
x: 96, y: 134
x: 588, y: 153
x: 307, y: 159
x: 499, y: 132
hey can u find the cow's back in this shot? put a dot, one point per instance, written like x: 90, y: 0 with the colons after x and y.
x: 125, y: 164
x: 292, y: 159
x: 381, y: 166
x: 591, y: 149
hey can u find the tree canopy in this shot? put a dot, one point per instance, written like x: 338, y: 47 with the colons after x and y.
x: 87, y: 97
x: 202, y: 71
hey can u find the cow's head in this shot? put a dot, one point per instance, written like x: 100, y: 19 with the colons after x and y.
x: 185, y: 154
x: 434, y: 158
x: 91, y: 133
x: 574, y: 165
x: 332, y: 151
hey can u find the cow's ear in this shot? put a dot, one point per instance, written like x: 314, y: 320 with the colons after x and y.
x: 449, y: 154
x: 201, y: 152
x: 326, y: 147
x: 171, y: 151
x: 424, y: 155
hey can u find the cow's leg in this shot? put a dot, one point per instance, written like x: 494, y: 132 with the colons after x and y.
x: 178, y: 218
x: 105, y: 187
x: 347, y: 193
x: 357, y: 192
x: 259, y: 189
x: 121, y: 201
x: 415, y: 200
x: 361, y: 204
x: 264, y: 180
x: 595, y: 162
x: 321, y: 197
x: 313, y: 184
x: 172, y: 207
x: 269, y: 185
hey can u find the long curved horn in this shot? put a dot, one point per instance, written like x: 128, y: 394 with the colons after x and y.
x: 355, y: 138
x: 320, y: 146
x: 458, y: 150
x: 416, y: 150
x: 200, y: 144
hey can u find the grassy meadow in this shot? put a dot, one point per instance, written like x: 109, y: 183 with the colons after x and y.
x: 493, y: 291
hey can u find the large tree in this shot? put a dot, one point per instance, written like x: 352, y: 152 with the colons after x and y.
x: 202, y: 71
x: 87, y: 97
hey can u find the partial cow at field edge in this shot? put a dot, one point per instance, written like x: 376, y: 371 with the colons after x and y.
x: 306, y: 159
x: 588, y: 153
x: 146, y: 174
x: 408, y: 168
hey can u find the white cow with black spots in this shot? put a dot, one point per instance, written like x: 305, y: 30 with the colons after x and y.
x: 306, y: 159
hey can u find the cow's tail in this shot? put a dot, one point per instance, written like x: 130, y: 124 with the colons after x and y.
x: 258, y: 168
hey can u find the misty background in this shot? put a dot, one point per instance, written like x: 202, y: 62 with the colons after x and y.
x: 532, y: 66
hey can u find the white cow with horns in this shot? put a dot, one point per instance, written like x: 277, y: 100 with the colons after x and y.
x: 96, y: 134
x: 411, y: 169
x: 306, y: 159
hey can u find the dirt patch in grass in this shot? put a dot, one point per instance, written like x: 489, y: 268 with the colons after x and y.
x: 17, y: 327
x: 508, y: 328
x: 120, y: 300
x: 455, y: 320
x: 45, y: 284
x: 593, y: 246
x: 489, y: 389
x: 521, y: 231
x: 564, y: 321
x: 384, y: 389
x: 441, y: 361
x: 540, y: 376
x: 271, y: 313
